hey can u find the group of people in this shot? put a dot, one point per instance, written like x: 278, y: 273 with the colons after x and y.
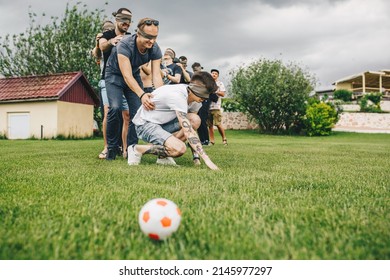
x: 151, y: 96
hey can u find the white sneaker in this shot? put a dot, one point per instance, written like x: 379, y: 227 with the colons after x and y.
x: 166, y: 161
x: 133, y: 157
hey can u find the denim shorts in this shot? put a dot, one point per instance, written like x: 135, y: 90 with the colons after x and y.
x: 155, y: 133
x: 103, y: 91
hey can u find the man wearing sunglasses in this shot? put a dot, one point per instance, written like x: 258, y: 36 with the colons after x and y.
x: 172, y: 123
x: 123, y: 78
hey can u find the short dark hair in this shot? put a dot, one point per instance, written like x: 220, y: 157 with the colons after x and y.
x: 206, y: 79
x: 214, y: 70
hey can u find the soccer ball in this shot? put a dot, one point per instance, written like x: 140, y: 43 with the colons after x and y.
x: 159, y: 218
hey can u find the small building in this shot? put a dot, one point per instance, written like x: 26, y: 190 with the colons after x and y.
x: 365, y: 82
x: 324, y: 94
x: 47, y: 106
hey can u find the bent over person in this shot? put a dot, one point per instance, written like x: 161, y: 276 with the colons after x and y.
x: 170, y: 124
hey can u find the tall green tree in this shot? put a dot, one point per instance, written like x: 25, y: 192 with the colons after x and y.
x: 63, y: 45
x: 273, y: 94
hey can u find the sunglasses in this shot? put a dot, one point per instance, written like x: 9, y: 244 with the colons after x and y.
x: 151, y: 21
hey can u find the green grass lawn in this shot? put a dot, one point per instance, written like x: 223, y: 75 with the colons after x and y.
x: 276, y: 197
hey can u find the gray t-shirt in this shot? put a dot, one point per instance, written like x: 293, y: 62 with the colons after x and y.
x: 127, y: 47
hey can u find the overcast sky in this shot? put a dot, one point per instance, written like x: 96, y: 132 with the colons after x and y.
x: 330, y: 38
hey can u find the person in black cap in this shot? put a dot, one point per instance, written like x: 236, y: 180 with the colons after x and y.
x: 215, y: 114
x: 169, y: 124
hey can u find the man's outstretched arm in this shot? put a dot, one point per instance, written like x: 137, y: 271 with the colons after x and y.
x: 193, y: 139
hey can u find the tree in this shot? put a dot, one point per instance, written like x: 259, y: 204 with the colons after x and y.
x: 273, y: 94
x: 60, y: 46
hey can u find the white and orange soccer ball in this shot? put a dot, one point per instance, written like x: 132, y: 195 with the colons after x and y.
x: 159, y: 218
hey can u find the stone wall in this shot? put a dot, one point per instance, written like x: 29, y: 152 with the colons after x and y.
x: 364, y: 122
x: 385, y: 107
x: 237, y: 121
x: 354, y: 122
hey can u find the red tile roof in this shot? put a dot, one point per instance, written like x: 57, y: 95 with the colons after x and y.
x: 46, y: 87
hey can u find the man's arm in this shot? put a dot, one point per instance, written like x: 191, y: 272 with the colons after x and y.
x: 185, y: 74
x: 156, y: 74
x: 193, y: 139
x: 221, y: 89
x: 177, y: 72
x: 96, y: 52
x: 175, y: 79
x: 127, y: 73
x: 106, y: 45
x: 220, y: 93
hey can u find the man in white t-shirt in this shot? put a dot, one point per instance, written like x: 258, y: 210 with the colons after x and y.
x: 215, y: 114
x: 172, y: 122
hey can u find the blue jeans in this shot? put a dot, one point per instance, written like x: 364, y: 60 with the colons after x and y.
x: 116, y: 89
x: 104, y: 98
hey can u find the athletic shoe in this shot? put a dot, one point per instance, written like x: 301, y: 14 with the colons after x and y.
x: 133, y: 157
x: 166, y: 161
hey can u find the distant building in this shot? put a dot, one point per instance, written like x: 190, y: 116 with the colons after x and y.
x: 47, y: 106
x: 324, y: 94
x: 369, y: 81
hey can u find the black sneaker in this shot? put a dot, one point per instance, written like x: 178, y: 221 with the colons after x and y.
x: 205, y: 143
x: 111, y: 154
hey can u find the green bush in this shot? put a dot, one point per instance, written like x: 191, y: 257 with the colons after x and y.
x: 320, y: 118
x: 375, y: 97
x: 231, y: 105
x: 343, y: 94
x: 374, y: 107
x: 273, y: 94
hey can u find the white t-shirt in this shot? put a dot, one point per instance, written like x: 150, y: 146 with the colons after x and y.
x: 217, y: 105
x: 168, y: 99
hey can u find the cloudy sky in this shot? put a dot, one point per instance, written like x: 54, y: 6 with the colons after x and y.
x: 330, y: 38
